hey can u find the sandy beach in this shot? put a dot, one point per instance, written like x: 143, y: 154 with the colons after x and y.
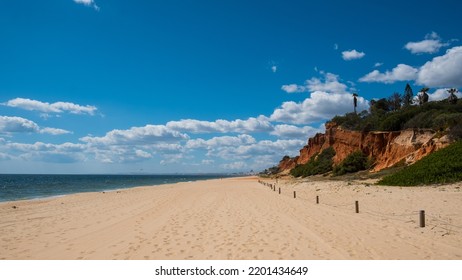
x: 238, y: 218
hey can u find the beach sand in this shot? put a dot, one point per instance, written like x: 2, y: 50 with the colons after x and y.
x: 238, y: 218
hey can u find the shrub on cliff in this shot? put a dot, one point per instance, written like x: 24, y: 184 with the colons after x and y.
x: 318, y: 164
x: 443, y: 166
x: 381, y: 117
x: 354, y: 162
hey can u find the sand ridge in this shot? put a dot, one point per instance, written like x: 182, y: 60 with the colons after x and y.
x: 237, y: 218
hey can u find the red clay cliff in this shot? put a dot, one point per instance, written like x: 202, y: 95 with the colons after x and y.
x: 387, y: 148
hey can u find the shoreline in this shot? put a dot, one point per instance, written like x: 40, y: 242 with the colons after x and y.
x: 179, y: 179
x: 51, y: 197
x: 238, y: 218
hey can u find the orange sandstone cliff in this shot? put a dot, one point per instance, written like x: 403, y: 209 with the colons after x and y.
x: 387, y: 148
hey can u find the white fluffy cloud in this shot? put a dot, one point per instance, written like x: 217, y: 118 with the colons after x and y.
x: 443, y: 71
x: 146, y: 135
x: 244, y: 148
x: 329, y: 97
x: 269, y: 148
x: 352, y: 54
x: 56, y: 153
x: 294, y: 132
x: 17, y: 125
x: 292, y: 88
x: 221, y: 141
x: 22, y: 125
x: 135, y: 144
x: 260, y: 124
x: 431, y: 44
x: 54, y: 131
x: 319, y: 106
x: 328, y: 83
x: 402, y: 72
x: 45, y: 107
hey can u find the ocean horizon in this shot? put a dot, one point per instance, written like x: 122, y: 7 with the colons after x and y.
x: 15, y: 187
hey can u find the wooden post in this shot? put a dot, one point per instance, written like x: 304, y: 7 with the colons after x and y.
x: 295, y: 195
x: 357, y: 206
x: 317, y: 199
x: 279, y: 190
x: 422, y: 218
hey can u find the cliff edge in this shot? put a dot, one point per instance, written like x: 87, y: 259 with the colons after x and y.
x: 386, y: 148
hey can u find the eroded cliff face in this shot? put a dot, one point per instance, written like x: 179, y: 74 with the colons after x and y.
x: 387, y: 148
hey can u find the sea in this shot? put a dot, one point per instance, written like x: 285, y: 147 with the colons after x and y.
x: 20, y: 187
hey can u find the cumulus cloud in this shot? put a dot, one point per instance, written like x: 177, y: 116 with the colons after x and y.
x: 259, y: 124
x: 261, y: 148
x: 443, y: 71
x: 17, y: 125
x: 47, y: 147
x: 133, y: 152
x: 352, y: 55
x: 149, y: 134
x: 89, y: 3
x: 294, y: 132
x: 293, y: 88
x: 45, y: 107
x: 402, y: 72
x: 54, y: 131
x: 274, y: 68
x: 431, y: 44
x: 221, y: 141
x: 45, y: 152
x: 319, y: 106
x: 243, y: 148
x: 378, y: 64
x: 22, y: 125
x: 329, y: 83
x: 441, y: 94
x: 329, y: 97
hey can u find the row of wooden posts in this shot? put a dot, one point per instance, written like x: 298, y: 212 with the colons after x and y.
x: 273, y: 187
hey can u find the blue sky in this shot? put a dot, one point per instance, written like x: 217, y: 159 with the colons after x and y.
x: 98, y: 86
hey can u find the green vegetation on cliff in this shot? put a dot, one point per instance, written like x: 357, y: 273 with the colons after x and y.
x: 354, y: 162
x: 440, y: 116
x: 440, y: 167
x: 318, y: 164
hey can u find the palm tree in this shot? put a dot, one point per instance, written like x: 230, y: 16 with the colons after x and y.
x: 452, y: 99
x: 355, y: 101
x: 423, y: 96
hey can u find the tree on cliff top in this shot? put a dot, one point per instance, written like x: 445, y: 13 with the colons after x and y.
x: 407, y: 96
x: 394, y: 102
x: 452, y: 97
x: 423, y: 96
x: 355, y: 101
